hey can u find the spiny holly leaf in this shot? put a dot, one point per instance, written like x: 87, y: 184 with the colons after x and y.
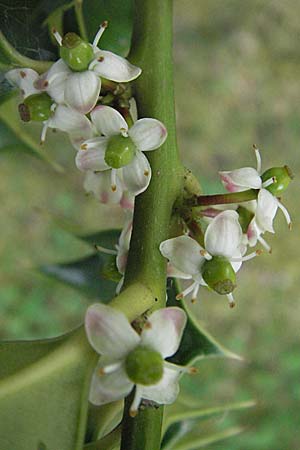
x: 196, y: 343
x: 89, y: 275
x: 179, y: 420
x: 43, y: 392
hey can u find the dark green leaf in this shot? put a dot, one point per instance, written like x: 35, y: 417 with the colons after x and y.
x: 196, y: 342
x: 87, y: 275
x: 43, y: 398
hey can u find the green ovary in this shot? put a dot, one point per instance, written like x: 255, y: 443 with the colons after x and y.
x: 36, y: 107
x: 144, y: 366
x: 219, y: 275
x: 76, y: 53
x: 120, y: 151
x: 283, y: 177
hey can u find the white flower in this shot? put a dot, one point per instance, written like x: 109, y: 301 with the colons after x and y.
x: 129, y: 359
x: 145, y: 135
x: 81, y: 89
x: 223, y: 237
x: 264, y: 208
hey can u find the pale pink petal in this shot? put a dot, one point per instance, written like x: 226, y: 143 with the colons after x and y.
x: 100, y: 185
x: 175, y: 273
x: 253, y: 233
x: 224, y: 234
x: 241, y: 179
x: 82, y: 91
x: 148, y: 134
x: 93, y: 157
x: 123, y: 244
x: 108, y: 121
x: 164, y: 329
x: 137, y: 174
x: 114, y: 67
x: 109, y: 331
x: 164, y: 392
x: 266, y: 210
x: 108, y: 388
x: 53, y: 82
x: 184, y: 253
x: 24, y: 79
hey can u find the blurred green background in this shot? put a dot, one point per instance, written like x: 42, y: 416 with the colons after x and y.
x: 237, y: 80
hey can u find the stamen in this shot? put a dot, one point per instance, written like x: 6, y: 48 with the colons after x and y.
x: 258, y: 158
x: 205, y: 254
x: 148, y: 325
x: 44, y: 132
x: 22, y: 74
x: 109, y: 368
x: 100, y: 59
x: 113, y: 180
x: 83, y: 147
x: 269, y: 182
x: 146, y: 173
x: 195, y: 293
x: 186, y: 291
x: 231, y: 300
x: 101, y: 30
x: 124, y: 132
x: 57, y: 36
x: 136, y: 403
x: 264, y: 244
x: 247, y: 257
x: 181, y: 369
x: 105, y: 250
x: 286, y: 214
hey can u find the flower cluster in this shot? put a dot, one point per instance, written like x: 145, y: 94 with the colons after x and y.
x: 214, y: 261
x: 79, y: 95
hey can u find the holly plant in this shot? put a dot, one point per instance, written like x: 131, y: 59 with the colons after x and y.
x: 114, y: 382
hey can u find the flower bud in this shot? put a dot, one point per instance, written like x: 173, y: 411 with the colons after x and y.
x: 144, y: 366
x: 282, y: 177
x: 75, y: 52
x: 245, y: 217
x: 120, y: 151
x: 219, y: 275
x: 36, y: 107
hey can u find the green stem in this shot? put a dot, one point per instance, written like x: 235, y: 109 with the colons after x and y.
x: 80, y: 19
x: 15, y: 59
x: 152, y: 51
x: 223, y: 199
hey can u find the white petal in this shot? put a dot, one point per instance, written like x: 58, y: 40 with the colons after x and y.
x: 164, y: 330
x: 108, y: 121
x: 224, y: 234
x: 148, y: 134
x: 175, y: 273
x: 137, y: 174
x: 183, y: 252
x: 82, y: 91
x: 123, y: 244
x: 109, y: 331
x: 114, y: 67
x: 164, y: 392
x: 100, y: 185
x: 253, y: 233
x: 69, y: 120
x: 93, y: 158
x: 108, y: 388
x: 133, y: 109
x: 241, y: 179
x: 266, y: 210
x: 56, y: 78
x: 23, y: 79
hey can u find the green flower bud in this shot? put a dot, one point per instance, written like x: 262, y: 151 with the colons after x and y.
x: 120, y: 151
x: 75, y: 52
x: 144, y: 366
x: 219, y: 275
x: 282, y: 177
x: 36, y: 107
x: 245, y: 217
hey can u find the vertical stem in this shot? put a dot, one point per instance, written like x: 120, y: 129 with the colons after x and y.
x: 80, y: 19
x: 152, y: 51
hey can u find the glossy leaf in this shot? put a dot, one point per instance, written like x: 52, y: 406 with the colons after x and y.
x: 43, y: 394
x: 196, y: 342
